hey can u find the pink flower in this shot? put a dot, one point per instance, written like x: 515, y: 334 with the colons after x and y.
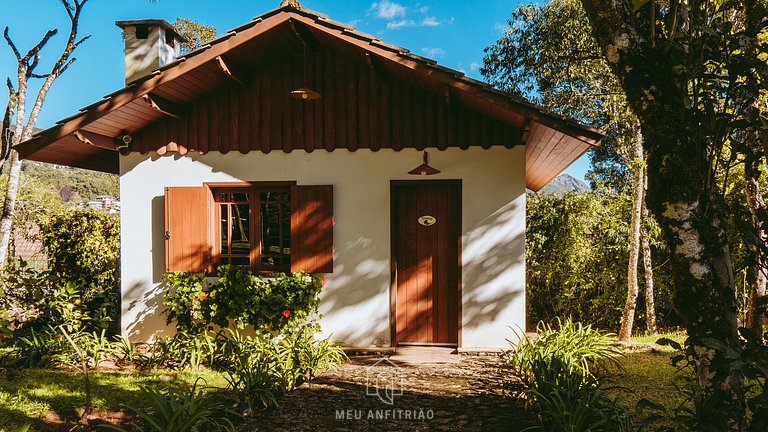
x: 202, y: 295
x: 287, y: 313
x: 325, y: 281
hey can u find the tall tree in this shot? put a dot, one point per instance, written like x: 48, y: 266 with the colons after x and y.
x: 23, y: 125
x: 549, y: 56
x: 195, y: 33
x: 682, y: 66
x: 756, y: 109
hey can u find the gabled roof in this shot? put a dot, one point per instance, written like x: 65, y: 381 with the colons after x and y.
x: 87, y: 138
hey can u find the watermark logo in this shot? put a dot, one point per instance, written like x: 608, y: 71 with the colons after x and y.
x: 385, y: 380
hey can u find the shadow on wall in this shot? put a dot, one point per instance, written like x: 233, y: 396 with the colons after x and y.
x: 145, y: 305
x: 356, y: 301
x: 494, y: 268
x: 158, y: 238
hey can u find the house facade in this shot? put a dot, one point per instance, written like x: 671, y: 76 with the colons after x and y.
x: 297, y: 143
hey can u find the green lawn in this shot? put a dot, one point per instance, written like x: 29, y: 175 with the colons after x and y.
x: 648, y: 373
x: 46, y: 398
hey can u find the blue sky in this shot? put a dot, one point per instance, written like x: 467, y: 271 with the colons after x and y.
x: 453, y: 32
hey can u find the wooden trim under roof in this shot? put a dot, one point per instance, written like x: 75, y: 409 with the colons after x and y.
x: 83, y: 140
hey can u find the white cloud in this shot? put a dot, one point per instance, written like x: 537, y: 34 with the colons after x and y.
x: 424, y: 9
x: 430, y: 21
x: 474, y: 66
x: 433, y: 52
x: 388, y: 10
x: 400, y: 24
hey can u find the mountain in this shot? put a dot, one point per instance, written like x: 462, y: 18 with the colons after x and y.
x: 565, y: 183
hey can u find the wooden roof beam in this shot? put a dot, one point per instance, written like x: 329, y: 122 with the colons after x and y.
x: 164, y: 105
x: 232, y: 72
x: 96, y: 140
x: 524, y: 131
x: 305, y: 36
x: 375, y: 65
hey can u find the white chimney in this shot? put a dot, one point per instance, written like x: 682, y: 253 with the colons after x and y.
x: 149, y: 44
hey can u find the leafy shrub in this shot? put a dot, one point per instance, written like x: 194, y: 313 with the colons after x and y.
x: 124, y: 350
x: 38, y: 350
x: 560, y: 372
x: 310, y: 355
x: 83, y: 248
x: 568, y: 399
x: 580, y: 348
x: 260, y: 369
x: 239, y: 298
x: 39, y: 299
x: 253, y: 367
x: 190, y: 410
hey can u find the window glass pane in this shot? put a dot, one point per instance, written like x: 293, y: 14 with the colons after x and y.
x: 269, y: 261
x: 240, y: 261
x: 286, y: 216
x: 270, y: 228
x: 240, y: 197
x: 224, y: 228
x: 241, y: 243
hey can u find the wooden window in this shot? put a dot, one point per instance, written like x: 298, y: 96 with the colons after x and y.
x: 254, y: 227
x: 269, y: 228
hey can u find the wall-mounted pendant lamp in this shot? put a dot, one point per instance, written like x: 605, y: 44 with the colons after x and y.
x: 424, y: 169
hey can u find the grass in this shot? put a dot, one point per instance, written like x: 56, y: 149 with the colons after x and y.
x: 51, y: 398
x: 648, y: 373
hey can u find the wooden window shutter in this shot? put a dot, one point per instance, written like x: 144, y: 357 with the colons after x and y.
x: 187, y: 229
x: 312, y: 229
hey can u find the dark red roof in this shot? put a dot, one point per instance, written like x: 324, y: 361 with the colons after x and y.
x: 165, y: 107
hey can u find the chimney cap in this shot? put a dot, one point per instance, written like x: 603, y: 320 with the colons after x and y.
x: 149, y: 22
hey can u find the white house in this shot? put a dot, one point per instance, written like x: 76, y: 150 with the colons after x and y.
x: 295, y: 142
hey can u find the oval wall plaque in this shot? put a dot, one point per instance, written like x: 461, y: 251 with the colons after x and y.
x: 427, y: 220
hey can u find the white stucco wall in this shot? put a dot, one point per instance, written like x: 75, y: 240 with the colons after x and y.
x: 355, y: 303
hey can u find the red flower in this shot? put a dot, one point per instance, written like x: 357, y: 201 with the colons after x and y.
x: 202, y: 295
x: 287, y: 313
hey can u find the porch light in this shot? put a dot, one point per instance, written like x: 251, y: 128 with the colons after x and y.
x: 424, y: 169
x: 305, y: 93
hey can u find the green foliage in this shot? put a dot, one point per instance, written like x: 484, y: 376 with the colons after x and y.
x: 260, y: 369
x: 577, y: 347
x: 190, y: 410
x: 124, y: 350
x: 239, y: 298
x: 577, y: 257
x: 560, y: 372
x: 71, y: 185
x: 83, y: 248
x: 568, y: 400
x: 196, y: 34
x: 699, y: 409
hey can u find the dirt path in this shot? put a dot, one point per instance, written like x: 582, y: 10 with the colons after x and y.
x: 374, y: 394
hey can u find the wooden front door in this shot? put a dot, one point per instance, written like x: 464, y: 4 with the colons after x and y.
x: 426, y: 222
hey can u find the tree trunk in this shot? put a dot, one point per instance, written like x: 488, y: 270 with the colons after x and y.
x: 758, y: 271
x: 638, y: 180
x: 650, y: 304
x: 9, y: 205
x: 686, y: 204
